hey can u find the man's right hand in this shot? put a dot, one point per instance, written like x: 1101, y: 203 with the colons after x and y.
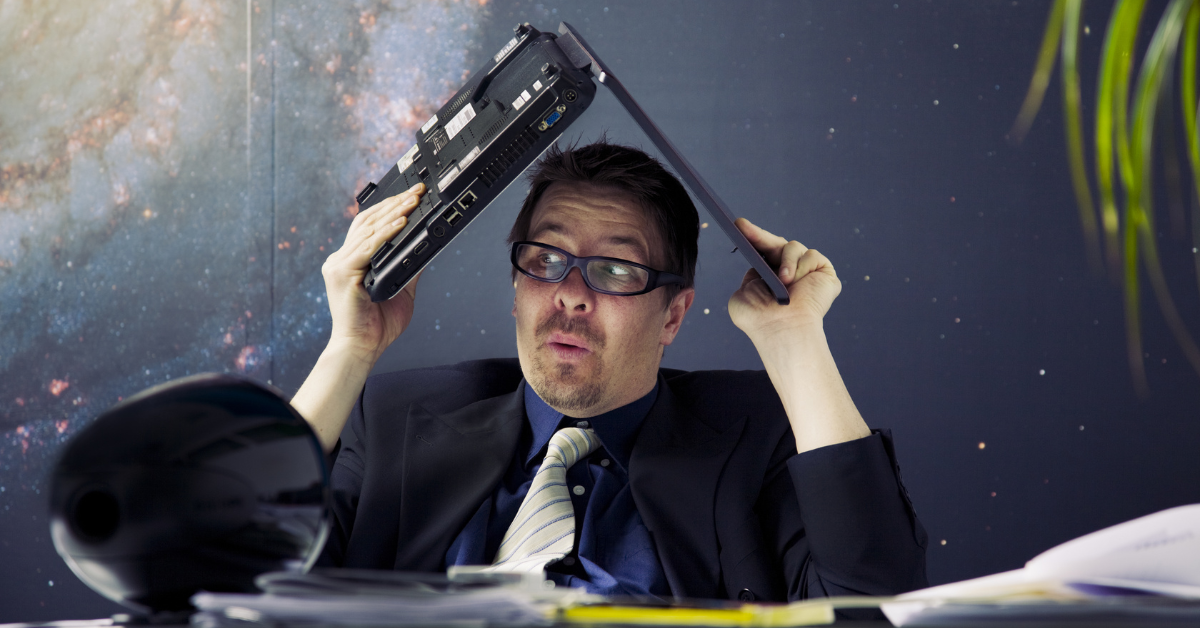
x: 360, y: 327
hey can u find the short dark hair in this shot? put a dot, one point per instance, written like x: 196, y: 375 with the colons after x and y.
x: 660, y: 194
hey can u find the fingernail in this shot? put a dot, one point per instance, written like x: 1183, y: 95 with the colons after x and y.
x: 399, y: 221
x: 416, y: 187
x: 410, y: 201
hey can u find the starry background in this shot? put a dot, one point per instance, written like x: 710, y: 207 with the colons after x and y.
x: 172, y: 175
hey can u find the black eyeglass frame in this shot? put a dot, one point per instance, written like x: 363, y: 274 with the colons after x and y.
x: 655, y: 279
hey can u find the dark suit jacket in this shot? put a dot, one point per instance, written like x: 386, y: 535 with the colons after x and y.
x: 733, y: 511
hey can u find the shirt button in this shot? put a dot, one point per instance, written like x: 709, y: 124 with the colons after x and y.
x: 605, y: 462
x: 583, y: 425
x: 746, y: 595
x: 578, y: 490
x: 568, y: 561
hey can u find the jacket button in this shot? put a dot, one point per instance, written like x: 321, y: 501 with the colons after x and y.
x: 746, y: 595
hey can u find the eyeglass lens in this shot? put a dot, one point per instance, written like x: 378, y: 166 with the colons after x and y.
x: 606, y: 275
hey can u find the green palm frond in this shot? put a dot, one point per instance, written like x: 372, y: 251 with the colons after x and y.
x: 1124, y: 138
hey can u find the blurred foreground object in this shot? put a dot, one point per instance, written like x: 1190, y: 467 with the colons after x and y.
x: 1128, y: 117
x: 198, y: 484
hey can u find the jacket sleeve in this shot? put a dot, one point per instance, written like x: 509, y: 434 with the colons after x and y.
x: 346, y: 462
x: 842, y: 521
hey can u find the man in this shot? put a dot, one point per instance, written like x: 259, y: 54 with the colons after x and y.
x: 717, y: 484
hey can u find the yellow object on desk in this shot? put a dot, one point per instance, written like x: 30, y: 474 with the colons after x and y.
x: 814, y: 612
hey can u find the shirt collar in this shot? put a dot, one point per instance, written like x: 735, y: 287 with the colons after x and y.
x: 616, y: 428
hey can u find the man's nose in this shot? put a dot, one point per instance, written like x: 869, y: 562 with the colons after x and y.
x: 574, y: 294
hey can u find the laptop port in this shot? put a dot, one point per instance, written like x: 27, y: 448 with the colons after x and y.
x: 554, y: 116
x: 452, y: 216
x: 467, y: 199
x: 437, y: 231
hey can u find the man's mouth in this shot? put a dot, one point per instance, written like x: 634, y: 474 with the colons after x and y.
x: 567, y: 346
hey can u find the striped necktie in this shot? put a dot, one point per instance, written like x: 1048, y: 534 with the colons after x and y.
x: 544, y: 528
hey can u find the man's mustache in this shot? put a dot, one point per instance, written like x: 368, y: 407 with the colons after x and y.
x: 575, y: 326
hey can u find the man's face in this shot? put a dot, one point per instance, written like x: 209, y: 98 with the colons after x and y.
x: 583, y: 352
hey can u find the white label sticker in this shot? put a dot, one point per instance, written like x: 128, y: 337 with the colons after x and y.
x: 522, y: 99
x: 455, y: 125
x: 429, y: 125
x: 537, y: 86
x: 468, y: 158
x: 512, y: 43
x: 448, y: 179
x: 407, y: 159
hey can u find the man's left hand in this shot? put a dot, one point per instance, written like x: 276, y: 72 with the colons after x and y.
x: 809, y: 277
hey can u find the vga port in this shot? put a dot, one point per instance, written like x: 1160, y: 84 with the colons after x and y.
x: 554, y: 116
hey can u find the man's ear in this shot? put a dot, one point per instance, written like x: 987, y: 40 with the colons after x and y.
x: 676, y: 310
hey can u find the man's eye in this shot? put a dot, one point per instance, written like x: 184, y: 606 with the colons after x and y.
x: 616, y: 270
x: 550, y: 258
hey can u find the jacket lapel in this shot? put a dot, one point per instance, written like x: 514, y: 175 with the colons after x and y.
x: 673, y: 473
x: 452, y: 463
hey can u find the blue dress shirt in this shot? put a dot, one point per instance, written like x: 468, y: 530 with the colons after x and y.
x: 615, y: 554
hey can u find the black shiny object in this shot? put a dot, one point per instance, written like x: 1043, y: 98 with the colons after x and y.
x: 201, y: 483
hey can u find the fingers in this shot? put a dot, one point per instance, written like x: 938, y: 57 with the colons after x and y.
x: 763, y: 241
x: 789, y: 258
x: 378, y: 224
x: 813, y: 262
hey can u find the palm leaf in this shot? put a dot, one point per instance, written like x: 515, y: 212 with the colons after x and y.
x: 1111, y: 95
x: 1125, y: 144
x: 1187, y: 93
x: 1041, y: 74
x: 1073, y: 113
x: 1160, y: 56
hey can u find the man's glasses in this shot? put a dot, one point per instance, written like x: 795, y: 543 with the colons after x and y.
x: 606, y: 275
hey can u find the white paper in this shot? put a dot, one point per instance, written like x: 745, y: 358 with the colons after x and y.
x: 1158, y: 553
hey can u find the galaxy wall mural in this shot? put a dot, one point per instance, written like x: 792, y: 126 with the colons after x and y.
x: 174, y: 172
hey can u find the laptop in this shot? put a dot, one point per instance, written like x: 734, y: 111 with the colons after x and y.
x: 479, y: 142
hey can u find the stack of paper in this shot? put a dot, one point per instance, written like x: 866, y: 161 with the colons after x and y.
x: 381, y: 598
x: 1147, y: 568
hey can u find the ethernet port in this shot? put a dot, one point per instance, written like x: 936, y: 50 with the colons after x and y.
x: 467, y: 199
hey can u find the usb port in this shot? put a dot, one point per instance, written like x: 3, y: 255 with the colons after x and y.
x: 467, y: 199
x: 452, y: 216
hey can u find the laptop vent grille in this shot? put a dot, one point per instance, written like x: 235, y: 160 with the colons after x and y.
x: 507, y: 157
x: 459, y: 101
x: 494, y: 129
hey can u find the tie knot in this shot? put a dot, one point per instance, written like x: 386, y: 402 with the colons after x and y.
x: 570, y: 444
